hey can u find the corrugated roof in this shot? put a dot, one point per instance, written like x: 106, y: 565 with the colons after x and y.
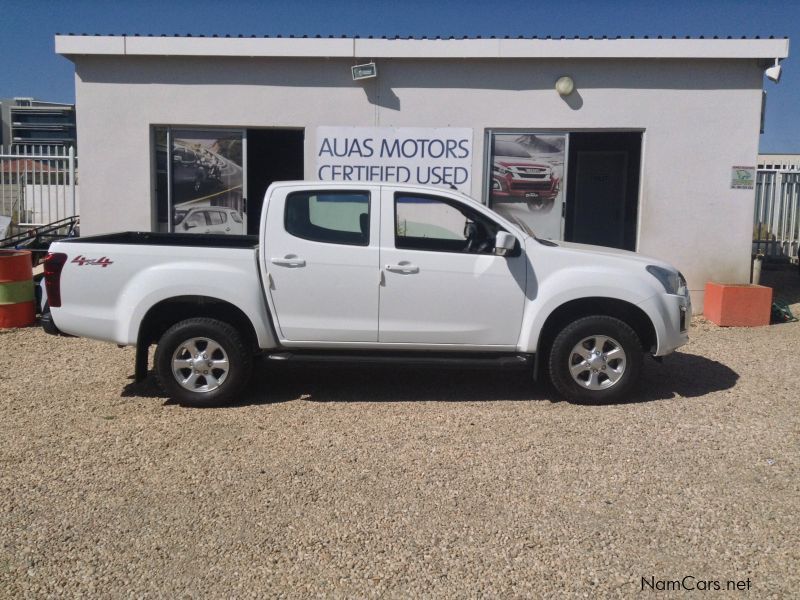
x: 423, y: 48
x: 437, y: 37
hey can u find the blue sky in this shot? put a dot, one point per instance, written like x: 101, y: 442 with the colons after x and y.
x: 30, y: 67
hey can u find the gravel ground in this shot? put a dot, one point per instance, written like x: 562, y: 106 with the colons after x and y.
x: 397, y: 483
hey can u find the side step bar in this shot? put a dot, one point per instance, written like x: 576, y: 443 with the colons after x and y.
x: 430, y: 359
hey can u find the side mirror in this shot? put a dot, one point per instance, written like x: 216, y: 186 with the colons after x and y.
x: 504, y: 243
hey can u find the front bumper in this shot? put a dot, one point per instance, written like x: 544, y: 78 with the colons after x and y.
x: 520, y: 190
x: 671, y: 315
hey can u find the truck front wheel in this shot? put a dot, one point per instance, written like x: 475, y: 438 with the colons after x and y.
x: 595, y: 359
x: 202, y: 362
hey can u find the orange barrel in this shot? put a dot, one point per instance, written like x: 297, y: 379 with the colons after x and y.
x: 16, y: 289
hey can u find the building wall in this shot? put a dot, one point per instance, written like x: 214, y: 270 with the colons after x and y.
x: 699, y: 117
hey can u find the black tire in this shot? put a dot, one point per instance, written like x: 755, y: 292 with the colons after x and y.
x: 587, y: 330
x: 174, y: 345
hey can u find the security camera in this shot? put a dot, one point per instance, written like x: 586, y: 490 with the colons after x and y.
x: 774, y: 72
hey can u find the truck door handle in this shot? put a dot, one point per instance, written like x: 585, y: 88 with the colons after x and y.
x: 290, y: 260
x: 404, y: 267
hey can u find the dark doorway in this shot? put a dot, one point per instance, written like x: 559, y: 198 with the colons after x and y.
x: 272, y: 155
x: 603, y: 189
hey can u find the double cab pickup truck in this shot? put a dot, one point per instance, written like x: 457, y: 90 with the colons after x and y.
x: 370, y: 273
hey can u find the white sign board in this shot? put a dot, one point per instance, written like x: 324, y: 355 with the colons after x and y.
x: 431, y: 156
x: 743, y: 178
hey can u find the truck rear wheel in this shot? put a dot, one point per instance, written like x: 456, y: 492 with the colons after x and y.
x: 595, y: 359
x: 202, y: 362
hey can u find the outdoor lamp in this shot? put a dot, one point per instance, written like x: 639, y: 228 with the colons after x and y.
x: 565, y: 85
x: 774, y: 72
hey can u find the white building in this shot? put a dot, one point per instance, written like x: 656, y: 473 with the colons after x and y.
x: 786, y: 162
x: 652, y: 150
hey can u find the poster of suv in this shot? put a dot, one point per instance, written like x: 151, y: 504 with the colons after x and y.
x: 207, y: 180
x: 526, y: 179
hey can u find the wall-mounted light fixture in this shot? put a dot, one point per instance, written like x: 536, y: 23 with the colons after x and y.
x: 366, y: 71
x: 774, y: 72
x: 565, y: 85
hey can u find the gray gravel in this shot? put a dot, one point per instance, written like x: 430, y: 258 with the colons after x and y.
x: 392, y: 482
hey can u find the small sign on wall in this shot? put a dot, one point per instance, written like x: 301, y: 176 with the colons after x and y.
x: 743, y: 178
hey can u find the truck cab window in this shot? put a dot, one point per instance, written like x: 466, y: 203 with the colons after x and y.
x: 434, y: 224
x: 329, y: 217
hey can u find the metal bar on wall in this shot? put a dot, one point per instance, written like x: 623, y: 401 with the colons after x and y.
x: 564, y: 179
x: 243, y: 206
x: 169, y: 180
x: 72, y: 177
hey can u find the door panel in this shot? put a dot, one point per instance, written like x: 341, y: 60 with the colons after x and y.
x: 603, y: 188
x: 322, y: 258
x: 437, y: 290
x: 600, y: 198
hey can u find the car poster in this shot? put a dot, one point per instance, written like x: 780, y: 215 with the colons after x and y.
x: 526, y: 184
x: 207, y: 181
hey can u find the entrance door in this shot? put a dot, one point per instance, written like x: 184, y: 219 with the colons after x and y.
x: 602, y: 193
x: 600, y: 198
x: 272, y: 155
x: 441, y: 282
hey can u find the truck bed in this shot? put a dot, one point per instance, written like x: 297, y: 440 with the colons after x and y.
x: 146, y: 238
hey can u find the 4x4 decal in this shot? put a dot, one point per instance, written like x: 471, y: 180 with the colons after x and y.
x: 102, y: 261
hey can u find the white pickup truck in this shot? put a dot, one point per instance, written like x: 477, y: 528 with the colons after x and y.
x: 371, y: 273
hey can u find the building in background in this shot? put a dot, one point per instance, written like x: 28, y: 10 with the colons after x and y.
x: 786, y: 162
x: 27, y: 122
x: 639, y: 144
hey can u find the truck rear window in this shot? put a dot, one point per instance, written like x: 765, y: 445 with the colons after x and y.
x: 329, y: 217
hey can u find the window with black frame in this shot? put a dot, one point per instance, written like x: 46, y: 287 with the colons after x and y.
x: 431, y: 223
x: 329, y: 217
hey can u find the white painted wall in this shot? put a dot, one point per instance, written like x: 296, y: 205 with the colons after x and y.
x: 700, y: 117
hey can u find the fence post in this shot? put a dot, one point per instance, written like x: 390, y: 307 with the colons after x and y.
x: 72, y: 178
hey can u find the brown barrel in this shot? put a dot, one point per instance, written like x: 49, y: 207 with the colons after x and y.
x: 16, y: 289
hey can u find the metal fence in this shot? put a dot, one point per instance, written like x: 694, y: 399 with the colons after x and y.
x: 38, y: 186
x: 776, y: 222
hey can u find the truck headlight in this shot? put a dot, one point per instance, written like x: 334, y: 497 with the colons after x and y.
x: 673, y: 281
